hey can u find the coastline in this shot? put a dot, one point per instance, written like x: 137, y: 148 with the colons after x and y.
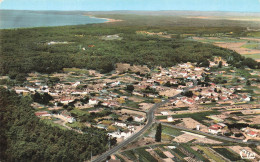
x: 109, y: 20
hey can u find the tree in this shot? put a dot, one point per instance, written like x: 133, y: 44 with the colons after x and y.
x: 188, y: 94
x: 207, y: 79
x: 21, y: 77
x: 220, y: 64
x: 130, y: 88
x: 248, y: 83
x: 53, y: 80
x: 130, y: 119
x: 158, y: 134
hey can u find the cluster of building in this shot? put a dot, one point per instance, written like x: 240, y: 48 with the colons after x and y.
x: 112, y: 91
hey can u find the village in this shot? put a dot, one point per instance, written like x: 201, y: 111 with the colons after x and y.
x: 225, y: 101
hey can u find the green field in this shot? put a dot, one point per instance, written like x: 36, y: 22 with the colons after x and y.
x: 130, y: 154
x: 171, y: 131
x: 200, y: 116
x: 144, y: 156
x: 252, y: 45
x: 160, y: 153
x: 210, y: 154
x: 253, y: 56
x: 103, y: 54
x: 228, y: 154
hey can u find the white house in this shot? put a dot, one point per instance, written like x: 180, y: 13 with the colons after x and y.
x: 66, y: 101
x: 164, y: 113
x: 215, y: 129
x: 169, y: 119
x: 93, y: 102
x: 120, y: 124
x: 70, y: 119
x: 139, y: 118
x: 252, y: 133
x: 76, y: 84
x: 118, y: 134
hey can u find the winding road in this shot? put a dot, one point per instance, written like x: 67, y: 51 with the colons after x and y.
x: 212, y: 135
x: 150, y: 121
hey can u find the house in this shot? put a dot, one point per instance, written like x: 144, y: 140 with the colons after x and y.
x: 252, y: 133
x: 139, y: 118
x: 101, y: 126
x: 120, y: 124
x: 164, y: 113
x: 76, y: 84
x: 70, y: 119
x: 119, y: 134
x: 169, y: 119
x: 42, y: 113
x: 245, y: 98
x: 215, y: 129
x: 93, y: 102
x: 66, y: 101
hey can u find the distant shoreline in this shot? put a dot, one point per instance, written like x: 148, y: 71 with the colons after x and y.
x: 108, y: 19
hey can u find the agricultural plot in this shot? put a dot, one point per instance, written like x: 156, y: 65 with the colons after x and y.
x: 170, y: 131
x: 144, y: 156
x: 200, y: 116
x: 227, y: 154
x: 210, y: 154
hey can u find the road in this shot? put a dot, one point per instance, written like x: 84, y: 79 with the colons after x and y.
x: 212, y: 135
x: 150, y: 120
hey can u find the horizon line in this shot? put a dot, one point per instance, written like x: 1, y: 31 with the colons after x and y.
x: 129, y: 10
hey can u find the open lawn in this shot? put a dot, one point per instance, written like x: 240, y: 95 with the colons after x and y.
x: 200, y: 116
x: 210, y: 154
x: 144, y: 156
x: 170, y: 131
x: 228, y: 154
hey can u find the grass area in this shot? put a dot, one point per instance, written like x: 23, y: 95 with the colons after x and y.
x: 210, y: 154
x: 227, y: 154
x: 197, y: 155
x: 79, y: 112
x: 180, y: 109
x: 75, y: 125
x: 130, y: 154
x: 144, y: 155
x: 120, y: 158
x: 166, y: 137
x: 131, y: 104
x: 254, y: 34
x: 160, y: 153
x: 251, y: 46
x: 253, y: 56
x: 178, y: 152
x: 170, y: 131
x: 200, y: 116
x: 49, y: 122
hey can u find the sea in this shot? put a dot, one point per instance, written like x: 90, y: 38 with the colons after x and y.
x: 11, y: 19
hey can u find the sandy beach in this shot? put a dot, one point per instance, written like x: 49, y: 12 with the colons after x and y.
x: 108, y: 19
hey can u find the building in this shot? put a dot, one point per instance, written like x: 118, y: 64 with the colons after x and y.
x: 252, y: 133
x: 120, y: 124
x: 169, y: 119
x: 139, y: 118
x: 215, y: 129
x: 42, y: 113
x: 93, y: 102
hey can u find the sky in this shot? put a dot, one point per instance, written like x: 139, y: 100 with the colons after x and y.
x: 110, y: 5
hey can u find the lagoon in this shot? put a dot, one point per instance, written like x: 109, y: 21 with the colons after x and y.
x: 10, y: 19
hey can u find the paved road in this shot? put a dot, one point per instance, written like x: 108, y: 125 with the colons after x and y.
x: 150, y: 120
x: 212, y: 135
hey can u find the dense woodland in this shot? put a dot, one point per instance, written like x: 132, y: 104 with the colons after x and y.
x: 27, y: 50
x: 24, y: 137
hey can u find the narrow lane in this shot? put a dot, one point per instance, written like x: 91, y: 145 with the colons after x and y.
x: 150, y: 120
